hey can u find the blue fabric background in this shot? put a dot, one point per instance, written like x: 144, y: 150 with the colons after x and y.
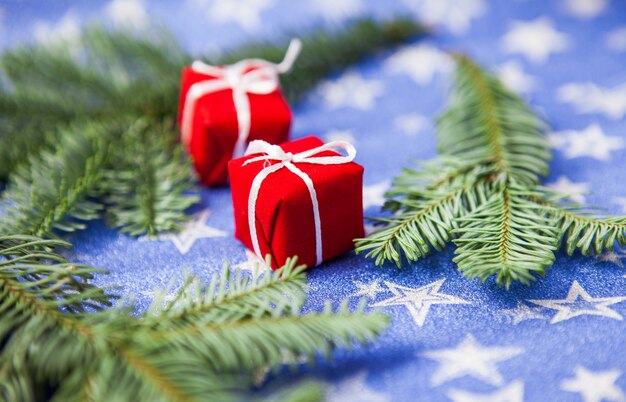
x: 450, y: 338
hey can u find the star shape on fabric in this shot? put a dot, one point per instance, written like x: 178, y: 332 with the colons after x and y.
x: 536, y: 39
x: 67, y: 29
x: 585, y: 9
x: 595, y: 386
x: 573, y: 190
x: 578, y: 302
x: 523, y: 312
x: 193, y: 230
x: 591, y: 142
x: 351, y: 90
x: 616, y: 39
x: 470, y: 358
x: 245, y: 13
x: 374, y: 194
x: 420, y: 62
x: 128, y: 13
x: 334, y: 10
x: 418, y: 300
x: 456, y: 16
x: 513, y: 392
x: 371, y: 290
x: 355, y: 388
x: 614, y: 257
x: 411, y: 124
x: 514, y: 77
x: 255, y: 265
x: 587, y: 97
x: 340, y: 135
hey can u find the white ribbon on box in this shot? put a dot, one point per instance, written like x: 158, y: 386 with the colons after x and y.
x: 288, y: 160
x: 238, y: 77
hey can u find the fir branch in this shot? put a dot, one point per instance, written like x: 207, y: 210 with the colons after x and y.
x: 232, y: 297
x: 148, y: 185
x: 508, y: 236
x: 103, y: 76
x: 425, y: 224
x: 199, y: 349
x: 485, y: 122
x: 53, y: 191
x: 582, y: 231
x: 483, y: 193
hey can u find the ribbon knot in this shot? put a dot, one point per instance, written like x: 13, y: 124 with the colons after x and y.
x: 249, y: 76
x: 289, y: 160
x: 288, y: 157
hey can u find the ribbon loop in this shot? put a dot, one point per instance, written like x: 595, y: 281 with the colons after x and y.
x: 249, y: 76
x: 289, y: 160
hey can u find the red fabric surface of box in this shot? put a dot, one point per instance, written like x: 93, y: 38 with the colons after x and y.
x: 284, y: 210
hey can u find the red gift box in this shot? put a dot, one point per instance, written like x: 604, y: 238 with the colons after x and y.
x: 284, y: 214
x: 221, y: 109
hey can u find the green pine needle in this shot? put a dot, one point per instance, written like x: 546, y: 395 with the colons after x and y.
x: 483, y: 193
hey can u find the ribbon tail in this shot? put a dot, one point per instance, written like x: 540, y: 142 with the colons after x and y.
x: 293, y: 51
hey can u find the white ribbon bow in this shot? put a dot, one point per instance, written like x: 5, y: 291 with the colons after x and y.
x: 288, y: 160
x: 263, y: 79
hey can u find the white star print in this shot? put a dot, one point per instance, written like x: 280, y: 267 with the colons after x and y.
x: 614, y: 257
x: 587, y: 97
x: 193, y: 230
x: 334, y: 10
x: 616, y: 39
x: 253, y: 264
x: 374, y: 195
x: 418, y: 301
x: 585, y: 9
x: 420, y: 62
x: 513, y: 392
x: 340, y: 135
x: 595, y: 386
x: 454, y: 15
x: 128, y: 13
x: 534, y: 39
x: 411, y: 124
x: 523, y: 312
x: 245, y: 13
x: 354, y: 389
x: 513, y: 76
x: 66, y: 29
x: 590, y: 142
x: 621, y: 201
x: 371, y: 290
x: 578, y: 302
x: 565, y: 187
x: 351, y: 90
x: 470, y: 358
